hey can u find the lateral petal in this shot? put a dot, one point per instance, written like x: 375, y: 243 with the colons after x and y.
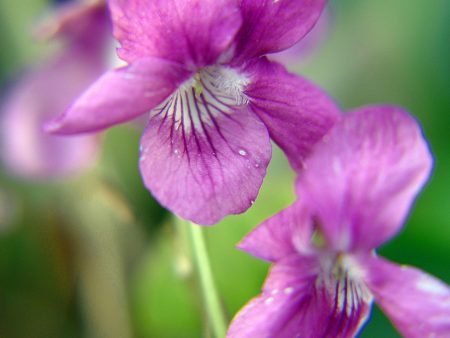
x: 296, y: 112
x: 285, y: 233
x: 120, y: 95
x: 418, y: 304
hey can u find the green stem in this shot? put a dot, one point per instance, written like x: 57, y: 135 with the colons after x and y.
x: 213, y: 307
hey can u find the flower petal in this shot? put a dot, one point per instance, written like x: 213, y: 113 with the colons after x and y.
x: 287, y: 232
x: 361, y: 180
x: 307, y: 47
x: 296, y: 303
x: 83, y: 20
x: 190, y: 32
x: 202, y: 158
x: 418, y: 304
x: 296, y: 112
x: 120, y: 95
x: 27, y: 150
x: 273, y: 25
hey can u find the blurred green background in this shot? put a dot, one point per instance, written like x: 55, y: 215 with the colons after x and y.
x: 95, y: 256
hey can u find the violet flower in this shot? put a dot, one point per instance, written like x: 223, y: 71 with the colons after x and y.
x: 196, y: 66
x: 27, y: 150
x: 355, y: 194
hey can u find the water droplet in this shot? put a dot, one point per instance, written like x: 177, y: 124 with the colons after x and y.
x: 288, y: 290
x: 252, y: 202
x: 269, y: 300
x: 274, y: 291
x: 242, y: 152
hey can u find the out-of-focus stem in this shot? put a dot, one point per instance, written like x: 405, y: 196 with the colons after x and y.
x: 211, y: 299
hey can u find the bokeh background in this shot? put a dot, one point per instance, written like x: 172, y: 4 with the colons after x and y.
x: 95, y: 256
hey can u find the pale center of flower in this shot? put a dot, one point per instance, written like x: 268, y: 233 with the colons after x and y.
x: 200, y: 100
x: 343, y: 279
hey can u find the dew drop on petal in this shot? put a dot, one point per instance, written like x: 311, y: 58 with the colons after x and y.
x: 242, y: 152
x: 288, y: 290
x: 177, y: 153
x: 269, y: 300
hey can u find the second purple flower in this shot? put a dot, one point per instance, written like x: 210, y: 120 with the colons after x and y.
x: 214, y: 102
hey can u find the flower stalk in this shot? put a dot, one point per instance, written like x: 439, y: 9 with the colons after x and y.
x: 211, y: 299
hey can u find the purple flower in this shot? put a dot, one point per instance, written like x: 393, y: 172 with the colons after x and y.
x: 27, y: 150
x: 355, y: 194
x: 196, y: 66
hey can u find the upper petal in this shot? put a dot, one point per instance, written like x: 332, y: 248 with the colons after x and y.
x: 121, y: 95
x: 285, y: 233
x: 296, y: 112
x: 273, y: 25
x: 297, y: 302
x: 418, y: 304
x: 192, y: 32
x: 203, y: 155
x: 362, y: 178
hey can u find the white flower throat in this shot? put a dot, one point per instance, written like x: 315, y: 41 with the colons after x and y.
x: 196, y: 104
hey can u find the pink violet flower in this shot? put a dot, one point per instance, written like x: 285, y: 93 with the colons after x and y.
x: 355, y: 193
x: 197, y: 68
x: 27, y: 150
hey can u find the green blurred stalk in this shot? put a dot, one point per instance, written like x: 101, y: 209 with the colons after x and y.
x: 214, y: 310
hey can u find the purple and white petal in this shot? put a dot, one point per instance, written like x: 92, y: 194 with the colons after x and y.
x: 283, y: 234
x: 296, y: 112
x: 204, y: 154
x: 193, y: 33
x: 120, y: 95
x: 418, y: 304
x: 298, y: 301
x: 362, y: 179
x: 273, y: 25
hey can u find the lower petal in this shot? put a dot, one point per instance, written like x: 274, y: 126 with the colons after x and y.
x: 203, y: 161
x: 298, y: 302
x: 296, y: 112
x: 418, y: 304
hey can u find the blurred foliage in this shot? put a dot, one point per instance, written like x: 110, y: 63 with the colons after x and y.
x: 95, y: 256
